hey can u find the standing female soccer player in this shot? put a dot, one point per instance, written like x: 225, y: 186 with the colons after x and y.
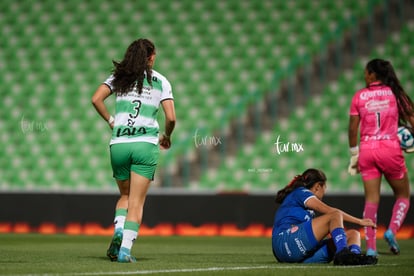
x: 377, y: 110
x: 134, y: 151
x: 299, y: 237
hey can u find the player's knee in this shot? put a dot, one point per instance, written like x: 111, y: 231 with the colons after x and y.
x: 336, y: 214
x: 353, y: 234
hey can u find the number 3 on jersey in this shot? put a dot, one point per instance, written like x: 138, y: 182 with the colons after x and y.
x: 136, y: 108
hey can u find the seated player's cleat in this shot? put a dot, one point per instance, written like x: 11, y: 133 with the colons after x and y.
x: 124, y: 256
x: 346, y: 257
x: 392, y: 242
x: 367, y: 260
x: 115, y: 245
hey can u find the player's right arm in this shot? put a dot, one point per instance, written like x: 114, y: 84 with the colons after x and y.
x: 353, y: 130
x: 98, y: 101
x: 323, y: 208
x: 169, y: 113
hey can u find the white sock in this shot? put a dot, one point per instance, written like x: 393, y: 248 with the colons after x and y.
x: 119, y: 222
x: 120, y: 216
x: 128, y: 238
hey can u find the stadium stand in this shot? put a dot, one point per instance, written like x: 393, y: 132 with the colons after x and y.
x: 221, y: 57
x: 321, y: 128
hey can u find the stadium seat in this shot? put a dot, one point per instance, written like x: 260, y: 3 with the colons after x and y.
x: 57, y: 53
x: 322, y: 127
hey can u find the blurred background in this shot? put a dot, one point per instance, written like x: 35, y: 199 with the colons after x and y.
x: 262, y: 89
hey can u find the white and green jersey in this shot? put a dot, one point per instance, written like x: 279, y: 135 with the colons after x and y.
x: 136, y: 114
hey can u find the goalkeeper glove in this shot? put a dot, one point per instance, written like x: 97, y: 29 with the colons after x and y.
x: 353, y: 163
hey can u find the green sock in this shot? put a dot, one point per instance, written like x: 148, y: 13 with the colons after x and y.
x: 121, y: 212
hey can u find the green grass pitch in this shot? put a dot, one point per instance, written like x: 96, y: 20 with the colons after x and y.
x: 34, y: 254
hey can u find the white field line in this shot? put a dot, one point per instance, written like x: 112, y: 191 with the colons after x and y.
x: 184, y: 270
x: 206, y: 269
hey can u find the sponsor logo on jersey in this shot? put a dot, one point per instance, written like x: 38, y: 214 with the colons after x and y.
x: 375, y: 93
x: 376, y: 106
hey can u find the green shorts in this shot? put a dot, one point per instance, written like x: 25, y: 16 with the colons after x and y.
x: 139, y: 157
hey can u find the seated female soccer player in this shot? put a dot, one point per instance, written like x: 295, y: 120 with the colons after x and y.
x: 300, y: 237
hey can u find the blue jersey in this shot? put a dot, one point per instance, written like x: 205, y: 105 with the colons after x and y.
x: 293, y: 211
x: 293, y: 240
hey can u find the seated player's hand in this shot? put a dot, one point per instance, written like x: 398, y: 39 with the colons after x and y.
x: 368, y: 223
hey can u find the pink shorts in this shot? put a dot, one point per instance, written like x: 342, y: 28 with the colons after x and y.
x: 377, y: 158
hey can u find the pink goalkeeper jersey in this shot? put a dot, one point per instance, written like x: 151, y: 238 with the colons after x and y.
x: 377, y: 109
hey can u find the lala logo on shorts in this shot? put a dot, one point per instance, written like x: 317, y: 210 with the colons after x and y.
x: 294, y: 229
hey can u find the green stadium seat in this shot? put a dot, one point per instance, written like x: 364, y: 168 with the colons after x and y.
x: 209, y: 63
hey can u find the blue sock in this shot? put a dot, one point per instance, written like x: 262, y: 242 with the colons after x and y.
x: 339, y: 238
x: 355, y: 248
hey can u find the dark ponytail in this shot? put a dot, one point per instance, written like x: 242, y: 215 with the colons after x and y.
x: 130, y: 71
x: 307, y: 179
x: 384, y: 72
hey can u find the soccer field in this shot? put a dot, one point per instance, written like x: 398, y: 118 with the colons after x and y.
x: 35, y: 254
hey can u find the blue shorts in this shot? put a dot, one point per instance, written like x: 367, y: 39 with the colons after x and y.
x: 298, y: 245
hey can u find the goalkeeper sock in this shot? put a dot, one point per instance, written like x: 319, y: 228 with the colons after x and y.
x: 370, y: 211
x: 399, y: 213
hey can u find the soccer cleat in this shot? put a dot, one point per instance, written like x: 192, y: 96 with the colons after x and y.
x: 124, y: 256
x: 113, y: 249
x: 392, y: 242
x: 372, y: 252
x: 409, y: 150
x: 367, y: 260
x: 346, y: 257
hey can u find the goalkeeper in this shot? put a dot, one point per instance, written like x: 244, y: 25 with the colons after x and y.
x: 377, y: 111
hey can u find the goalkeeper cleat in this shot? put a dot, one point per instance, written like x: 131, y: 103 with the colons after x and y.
x: 392, y: 242
x: 372, y: 252
x: 115, y: 245
x: 124, y: 256
x: 409, y: 150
